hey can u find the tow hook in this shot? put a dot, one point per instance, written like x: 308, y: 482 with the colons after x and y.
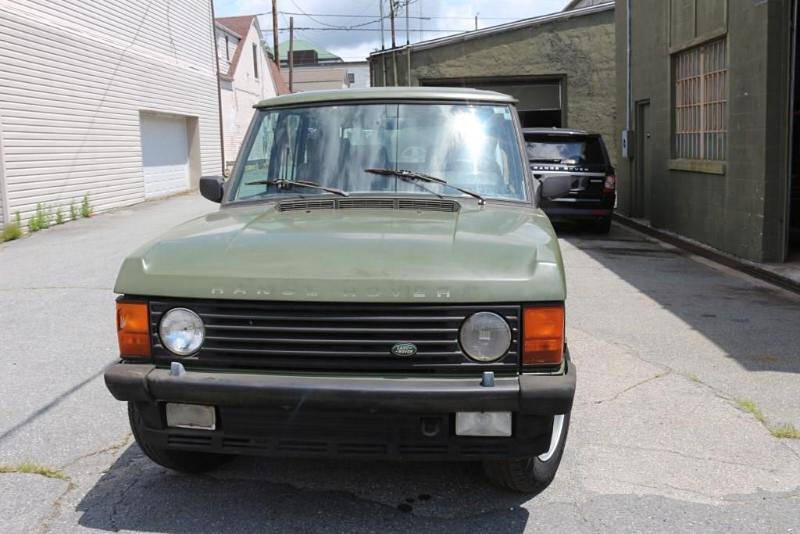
x: 430, y: 427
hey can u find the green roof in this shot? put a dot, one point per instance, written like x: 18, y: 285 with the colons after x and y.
x: 388, y: 93
x: 302, y: 44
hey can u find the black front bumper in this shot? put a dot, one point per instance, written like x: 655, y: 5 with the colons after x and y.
x: 321, y: 415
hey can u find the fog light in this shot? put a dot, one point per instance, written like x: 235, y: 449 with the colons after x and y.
x: 483, y: 424
x: 191, y: 416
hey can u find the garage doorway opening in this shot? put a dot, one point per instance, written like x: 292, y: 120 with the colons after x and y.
x: 540, y: 100
x: 170, y: 153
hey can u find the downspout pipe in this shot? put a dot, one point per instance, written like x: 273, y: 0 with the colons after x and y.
x: 790, y: 137
x: 628, y: 104
x: 219, y: 89
x: 628, y: 65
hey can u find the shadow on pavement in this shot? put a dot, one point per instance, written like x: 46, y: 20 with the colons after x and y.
x: 263, y: 494
x: 755, y: 325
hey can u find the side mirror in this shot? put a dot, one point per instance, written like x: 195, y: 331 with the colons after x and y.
x: 555, y: 186
x: 211, y: 187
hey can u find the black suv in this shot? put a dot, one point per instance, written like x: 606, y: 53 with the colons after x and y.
x: 583, y: 155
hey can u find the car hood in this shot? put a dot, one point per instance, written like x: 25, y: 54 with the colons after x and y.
x: 491, y: 253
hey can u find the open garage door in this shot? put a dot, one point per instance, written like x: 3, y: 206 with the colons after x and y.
x: 540, y: 100
x: 165, y: 155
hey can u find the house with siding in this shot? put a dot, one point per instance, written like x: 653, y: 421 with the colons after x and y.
x: 115, y: 100
x: 318, y: 69
x: 247, y: 75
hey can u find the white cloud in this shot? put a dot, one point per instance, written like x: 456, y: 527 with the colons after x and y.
x: 355, y: 44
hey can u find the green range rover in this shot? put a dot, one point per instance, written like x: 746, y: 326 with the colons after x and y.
x: 378, y: 282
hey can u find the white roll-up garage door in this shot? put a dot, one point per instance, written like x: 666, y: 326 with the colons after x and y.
x: 165, y: 155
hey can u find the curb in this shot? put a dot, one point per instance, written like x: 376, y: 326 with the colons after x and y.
x: 714, y: 255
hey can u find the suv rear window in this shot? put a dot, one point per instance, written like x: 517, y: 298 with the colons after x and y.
x: 565, y: 149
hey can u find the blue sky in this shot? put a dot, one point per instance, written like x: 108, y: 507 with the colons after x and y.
x: 354, y: 45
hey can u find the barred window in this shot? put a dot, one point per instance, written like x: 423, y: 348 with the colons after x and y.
x: 700, y: 115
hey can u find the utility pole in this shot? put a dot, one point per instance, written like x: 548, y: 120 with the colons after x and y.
x: 394, y: 44
x: 383, y: 56
x: 391, y: 19
x: 408, y: 50
x: 408, y: 39
x: 476, y: 21
x: 291, y: 54
x: 275, y: 33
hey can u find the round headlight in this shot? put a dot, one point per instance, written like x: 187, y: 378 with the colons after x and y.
x: 181, y: 331
x: 485, y: 336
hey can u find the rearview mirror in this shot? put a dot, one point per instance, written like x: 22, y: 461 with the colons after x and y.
x: 555, y: 186
x: 211, y: 187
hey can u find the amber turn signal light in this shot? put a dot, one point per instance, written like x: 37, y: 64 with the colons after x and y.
x: 133, y: 329
x: 543, y: 335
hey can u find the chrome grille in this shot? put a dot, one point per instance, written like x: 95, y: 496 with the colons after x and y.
x: 291, y: 335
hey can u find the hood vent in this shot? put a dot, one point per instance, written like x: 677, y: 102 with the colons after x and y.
x: 366, y: 203
x: 428, y: 205
x: 447, y: 206
x: 306, y: 205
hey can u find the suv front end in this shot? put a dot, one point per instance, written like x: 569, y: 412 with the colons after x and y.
x: 404, y: 322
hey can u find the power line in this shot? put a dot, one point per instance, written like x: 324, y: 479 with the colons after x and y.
x: 343, y: 15
x: 311, y: 28
x: 312, y: 17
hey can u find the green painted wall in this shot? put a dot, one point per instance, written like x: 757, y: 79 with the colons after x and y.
x: 742, y: 210
x: 580, y: 49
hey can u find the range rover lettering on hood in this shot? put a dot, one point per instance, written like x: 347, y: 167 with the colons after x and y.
x: 313, y: 292
x: 476, y: 254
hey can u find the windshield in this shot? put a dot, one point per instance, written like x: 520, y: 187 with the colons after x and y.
x: 473, y: 147
x: 557, y: 149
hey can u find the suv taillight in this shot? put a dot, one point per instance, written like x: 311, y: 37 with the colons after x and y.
x: 610, y: 183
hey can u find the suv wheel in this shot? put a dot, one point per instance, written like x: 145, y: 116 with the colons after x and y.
x: 530, y: 475
x: 184, y: 461
x: 603, y: 226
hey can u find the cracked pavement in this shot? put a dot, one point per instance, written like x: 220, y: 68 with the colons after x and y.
x: 664, y: 343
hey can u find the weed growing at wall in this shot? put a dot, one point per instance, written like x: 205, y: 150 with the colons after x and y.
x: 12, y: 230
x: 86, y: 207
x: 41, y: 218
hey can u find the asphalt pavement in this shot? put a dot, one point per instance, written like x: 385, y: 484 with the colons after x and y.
x: 674, y: 355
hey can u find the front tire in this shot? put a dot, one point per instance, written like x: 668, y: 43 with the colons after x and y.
x: 603, y: 226
x: 183, y: 461
x: 529, y: 475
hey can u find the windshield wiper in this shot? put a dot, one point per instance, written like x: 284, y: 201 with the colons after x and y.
x: 545, y: 160
x: 410, y: 176
x: 281, y: 184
